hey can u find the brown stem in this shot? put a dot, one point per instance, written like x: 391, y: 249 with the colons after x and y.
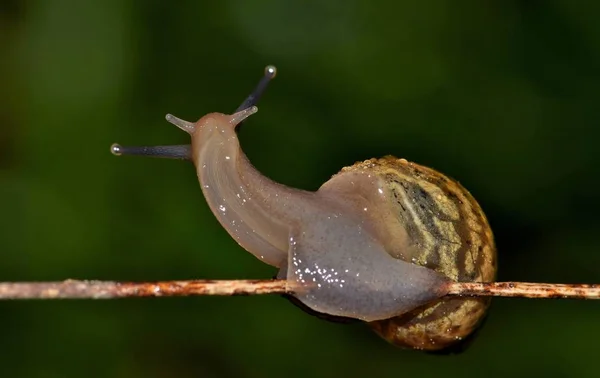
x: 524, y: 290
x: 72, y: 289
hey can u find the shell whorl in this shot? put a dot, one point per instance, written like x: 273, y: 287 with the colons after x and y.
x: 449, y: 233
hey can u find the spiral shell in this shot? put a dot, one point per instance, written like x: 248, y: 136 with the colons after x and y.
x: 449, y: 233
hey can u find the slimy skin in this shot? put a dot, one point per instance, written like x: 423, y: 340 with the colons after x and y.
x: 330, y: 242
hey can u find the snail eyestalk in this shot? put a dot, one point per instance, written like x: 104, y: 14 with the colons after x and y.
x: 183, y: 152
x: 252, y: 99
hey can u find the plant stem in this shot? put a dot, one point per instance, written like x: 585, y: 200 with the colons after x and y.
x: 76, y: 289
x: 524, y: 290
x: 82, y: 289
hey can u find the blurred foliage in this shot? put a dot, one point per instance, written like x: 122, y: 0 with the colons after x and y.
x: 502, y: 95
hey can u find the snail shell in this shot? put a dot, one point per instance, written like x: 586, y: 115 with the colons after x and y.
x: 451, y: 235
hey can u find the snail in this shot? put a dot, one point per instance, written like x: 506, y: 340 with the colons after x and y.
x: 377, y: 243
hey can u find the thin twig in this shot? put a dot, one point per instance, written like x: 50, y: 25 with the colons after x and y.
x: 524, y: 290
x: 74, y: 289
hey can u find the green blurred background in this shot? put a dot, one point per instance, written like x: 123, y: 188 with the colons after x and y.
x: 502, y: 95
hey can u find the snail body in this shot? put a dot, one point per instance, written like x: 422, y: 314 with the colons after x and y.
x: 379, y: 242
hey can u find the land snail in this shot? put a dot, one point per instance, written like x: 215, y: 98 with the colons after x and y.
x: 376, y: 243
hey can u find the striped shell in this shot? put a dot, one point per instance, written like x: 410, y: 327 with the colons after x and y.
x: 450, y: 234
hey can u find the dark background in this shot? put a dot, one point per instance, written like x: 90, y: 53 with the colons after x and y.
x: 502, y: 95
